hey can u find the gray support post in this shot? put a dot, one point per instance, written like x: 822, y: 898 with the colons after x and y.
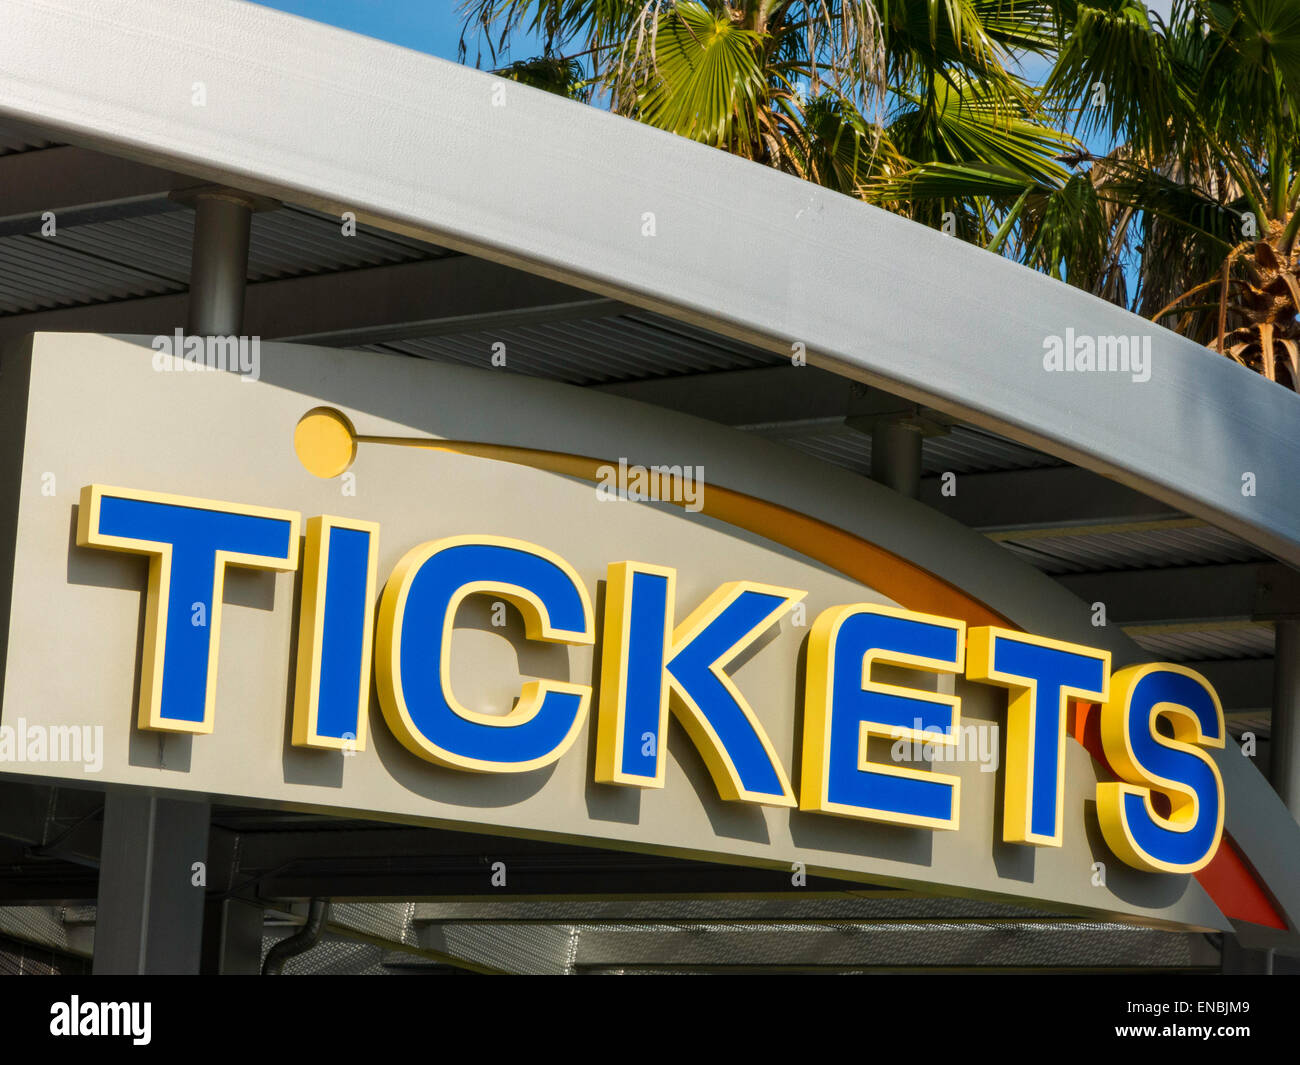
x: 1284, y: 740
x: 232, y: 938
x: 896, y: 455
x: 219, y: 266
x: 149, y: 914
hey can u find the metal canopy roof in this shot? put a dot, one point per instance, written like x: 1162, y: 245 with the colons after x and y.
x: 416, y: 145
x: 119, y: 262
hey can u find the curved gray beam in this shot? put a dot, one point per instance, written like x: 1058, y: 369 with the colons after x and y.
x: 305, y: 112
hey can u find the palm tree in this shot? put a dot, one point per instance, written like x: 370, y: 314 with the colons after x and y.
x: 1196, y: 199
x: 833, y: 91
x: 1219, y: 181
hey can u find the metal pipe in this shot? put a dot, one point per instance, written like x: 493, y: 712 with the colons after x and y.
x: 219, y: 262
x: 301, y: 941
x: 1284, y: 738
x: 896, y: 456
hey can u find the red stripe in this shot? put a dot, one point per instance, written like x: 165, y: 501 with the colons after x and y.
x: 1228, y: 879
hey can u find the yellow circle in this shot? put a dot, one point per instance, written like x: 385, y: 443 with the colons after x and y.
x: 325, y: 442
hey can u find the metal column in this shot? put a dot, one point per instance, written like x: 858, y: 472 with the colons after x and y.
x: 149, y: 914
x: 232, y: 938
x: 1284, y: 739
x: 153, y: 867
x: 219, y: 267
x: 896, y: 455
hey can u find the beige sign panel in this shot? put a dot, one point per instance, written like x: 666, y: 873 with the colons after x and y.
x: 514, y: 460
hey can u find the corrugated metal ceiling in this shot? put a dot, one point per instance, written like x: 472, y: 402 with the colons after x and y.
x: 38, y: 274
x: 149, y: 255
x: 1152, y: 545
x: 962, y: 450
x: 12, y: 140
x: 619, y: 347
x: 1195, y: 643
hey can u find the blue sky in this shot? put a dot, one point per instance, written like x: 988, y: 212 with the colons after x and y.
x: 431, y: 26
x: 434, y: 26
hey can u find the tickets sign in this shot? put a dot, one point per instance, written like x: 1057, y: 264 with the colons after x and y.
x: 381, y: 588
